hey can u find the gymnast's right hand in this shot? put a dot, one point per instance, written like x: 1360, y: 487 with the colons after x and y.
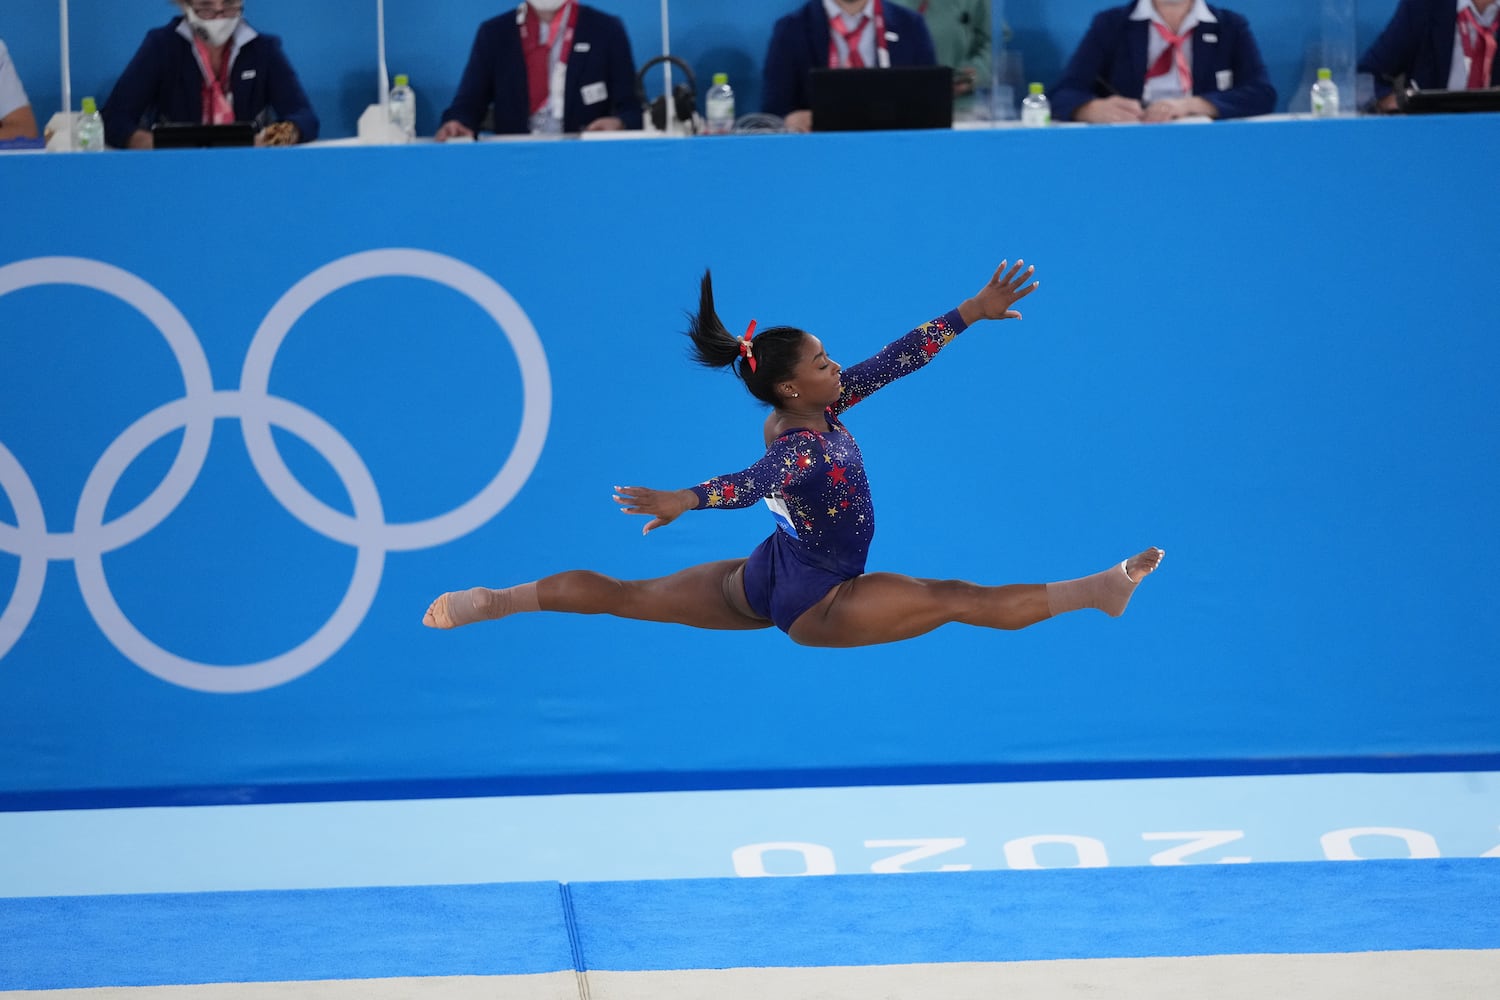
x: 664, y: 506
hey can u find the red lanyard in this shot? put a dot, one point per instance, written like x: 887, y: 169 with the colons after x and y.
x: 546, y: 80
x: 568, y: 10
x: 218, y: 109
x: 1174, y: 52
x: 851, y: 45
x: 1479, y: 48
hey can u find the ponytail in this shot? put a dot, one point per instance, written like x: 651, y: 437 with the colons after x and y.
x: 775, y: 352
x: 713, y: 345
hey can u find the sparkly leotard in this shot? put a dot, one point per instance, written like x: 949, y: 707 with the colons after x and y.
x: 814, y: 482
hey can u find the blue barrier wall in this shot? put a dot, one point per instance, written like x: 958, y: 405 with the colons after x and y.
x: 333, y: 46
x: 1278, y: 370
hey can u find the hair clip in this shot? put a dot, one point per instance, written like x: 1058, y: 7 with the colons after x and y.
x: 746, y: 350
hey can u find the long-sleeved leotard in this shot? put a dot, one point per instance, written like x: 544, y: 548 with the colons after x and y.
x: 814, y: 482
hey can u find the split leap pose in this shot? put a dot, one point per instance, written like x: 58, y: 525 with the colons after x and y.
x: 808, y: 578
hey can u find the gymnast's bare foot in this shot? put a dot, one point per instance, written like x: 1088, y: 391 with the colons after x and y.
x: 1136, y: 567
x: 1109, y: 591
x: 478, y: 604
x: 460, y: 607
x: 437, y: 614
x: 1122, y: 584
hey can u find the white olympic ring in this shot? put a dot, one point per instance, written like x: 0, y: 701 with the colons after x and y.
x: 367, y: 530
x: 197, y: 385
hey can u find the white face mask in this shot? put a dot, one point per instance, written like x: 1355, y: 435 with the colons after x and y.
x: 546, y: 6
x: 215, y: 32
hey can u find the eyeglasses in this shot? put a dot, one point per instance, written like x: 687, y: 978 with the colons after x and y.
x: 209, y: 10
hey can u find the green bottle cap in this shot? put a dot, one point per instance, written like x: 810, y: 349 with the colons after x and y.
x: 89, y: 107
x: 401, y: 80
x: 720, y: 78
x: 1036, y: 88
x: 1325, y: 74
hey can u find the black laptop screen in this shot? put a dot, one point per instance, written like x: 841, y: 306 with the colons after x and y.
x: 188, y: 136
x: 901, y: 97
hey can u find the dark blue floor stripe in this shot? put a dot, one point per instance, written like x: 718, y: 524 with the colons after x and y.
x: 1008, y: 916
x: 663, y: 781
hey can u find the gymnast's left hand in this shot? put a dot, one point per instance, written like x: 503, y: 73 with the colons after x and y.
x: 1000, y: 293
x: 663, y: 506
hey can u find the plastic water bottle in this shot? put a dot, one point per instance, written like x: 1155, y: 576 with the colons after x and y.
x: 404, y: 108
x: 1325, y: 95
x: 1036, y: 110
x: 719, y: 119
x: 88, y: 134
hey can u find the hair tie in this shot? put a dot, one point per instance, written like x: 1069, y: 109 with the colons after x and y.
x: 746, y: 349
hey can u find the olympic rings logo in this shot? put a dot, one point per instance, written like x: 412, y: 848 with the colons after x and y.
x: 367, y: 530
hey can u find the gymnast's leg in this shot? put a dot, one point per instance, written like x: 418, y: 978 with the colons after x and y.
x: 711, y: 595
x: 888, y: 607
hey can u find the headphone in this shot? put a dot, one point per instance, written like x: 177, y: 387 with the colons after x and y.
x: 684, y: 99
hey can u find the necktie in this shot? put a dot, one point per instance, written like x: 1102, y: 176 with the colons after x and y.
x: 1173, y: 53
x: 1479, y: 48
x: 851, y: 40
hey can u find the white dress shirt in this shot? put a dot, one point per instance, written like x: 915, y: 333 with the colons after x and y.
x: 1458, y: 73
x: 12, y: 94
x: 1168, y: 84
x: 866, y: 38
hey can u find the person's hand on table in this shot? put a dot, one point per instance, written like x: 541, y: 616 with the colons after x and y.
x: 1110, y: 111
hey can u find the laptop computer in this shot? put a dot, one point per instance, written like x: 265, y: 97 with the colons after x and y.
x: 1415, y: 101
x: 173, y: 135
x: 852, y: 100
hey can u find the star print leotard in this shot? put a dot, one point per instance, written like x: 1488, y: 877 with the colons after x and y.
x: 814, y: 482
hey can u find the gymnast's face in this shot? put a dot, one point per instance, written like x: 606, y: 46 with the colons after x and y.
x: 816, y: 377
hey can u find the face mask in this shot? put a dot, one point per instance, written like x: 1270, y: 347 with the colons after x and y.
x: 546, y: 6
x: 215, y: 32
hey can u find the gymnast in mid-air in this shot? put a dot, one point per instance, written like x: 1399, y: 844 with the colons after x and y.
x: 808, y: 578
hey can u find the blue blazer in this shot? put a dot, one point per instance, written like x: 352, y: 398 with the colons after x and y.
x: 1418, y: 42
x: 799, y: 42
x: 163, y: 84
x: 1111, y: 60
x: 496, y: 74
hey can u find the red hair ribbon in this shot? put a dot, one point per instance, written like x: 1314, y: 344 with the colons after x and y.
x: 746, y: 349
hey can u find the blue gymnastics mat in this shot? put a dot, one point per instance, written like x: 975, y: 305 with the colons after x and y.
x: 505, y: 930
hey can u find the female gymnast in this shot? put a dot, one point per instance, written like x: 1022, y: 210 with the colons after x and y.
x: 808, y: 578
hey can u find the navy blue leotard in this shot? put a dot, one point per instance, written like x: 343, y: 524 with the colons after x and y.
x: 814, y: 482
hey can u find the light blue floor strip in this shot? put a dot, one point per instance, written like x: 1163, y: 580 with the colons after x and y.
x: 569, y: 838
